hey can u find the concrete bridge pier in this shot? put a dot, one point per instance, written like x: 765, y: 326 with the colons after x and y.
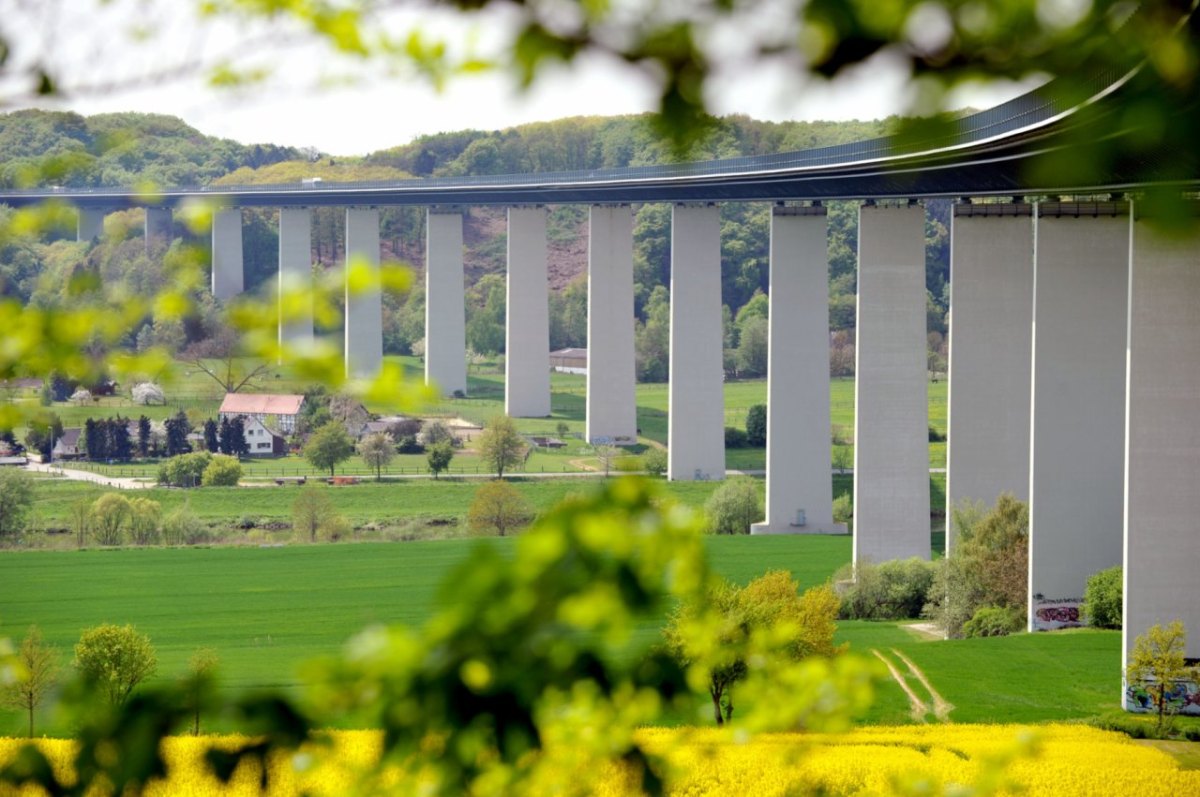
x: 799, y: 491
x: 527, y: 325
x: 891, y: 437
x: 611, y: 413
x: 295, y: 278
x: 991, y: 336
x: 1162, y: 465
x: 228, y: 273
x: 445, y: 308
x: 159, y: 227
x: 364, y: 298
x: 90, y: 224
x: 696, y: 405
x: 1077, y: 447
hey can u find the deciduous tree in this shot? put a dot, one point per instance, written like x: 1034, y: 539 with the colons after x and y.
x: 110, y: 517
x: 311, y: 511
x: 328, y: 447
x: 377, y: 450
x: 1157, y: 664
x: 16, y: 500
x: 115, y: 659
x: 500, y: 445
x: 498, y: 508
x: 40, y: 664
x: 439, y: 457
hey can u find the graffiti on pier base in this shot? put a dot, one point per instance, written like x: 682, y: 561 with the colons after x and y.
x: 1183, y: 698
x: 1049, y: 615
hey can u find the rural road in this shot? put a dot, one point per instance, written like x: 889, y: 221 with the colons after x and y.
x: 142, y: 484
x: 87, y: 476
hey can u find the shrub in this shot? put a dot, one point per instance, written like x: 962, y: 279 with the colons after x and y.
x: 144, y: 518
x: 843, y: 510
x: 988, y: 566
x: 756, y: 426
x: 734, y: 437
x: 733, y: 507
x: 994, y: 621
x: 222, y: 471
x: 1102, y: 598
x: 895, y: 590
x: 182, y: 527
x: 16, y: 500
x: 184, y: 470
x: 654, y: 461
x: 935, y: 436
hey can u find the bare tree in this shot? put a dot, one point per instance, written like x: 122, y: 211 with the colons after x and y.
x: 218, y: 358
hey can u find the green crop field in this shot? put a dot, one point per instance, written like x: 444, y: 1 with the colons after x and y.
x: 268, y: 609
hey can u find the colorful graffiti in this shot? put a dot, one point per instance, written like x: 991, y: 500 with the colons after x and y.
x: 1183, y: 698
x: 1050, y: 615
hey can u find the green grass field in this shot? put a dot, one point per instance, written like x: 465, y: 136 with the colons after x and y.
x: 266, y: 610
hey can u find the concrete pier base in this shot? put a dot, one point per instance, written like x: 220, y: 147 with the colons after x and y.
x: 445, y: 308
x: 891, y: 437
x: 160, y: 227
x: 527, y: 326
x: 295, y: 278
x: 228, y: 273
x: 799, y: 489
x: 991, y: 337
x: 89, y: 225
x: 364, y: 307
x: 696, y: 404
x: 611, y: 378
x: 1162, y: 466
x: 1077, y: 448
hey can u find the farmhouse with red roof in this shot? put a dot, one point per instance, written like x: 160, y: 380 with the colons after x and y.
x: 276, y: 412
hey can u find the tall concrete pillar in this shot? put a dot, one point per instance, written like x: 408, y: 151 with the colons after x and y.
x: 891, y: 409
x: 90, y: 224
x: 1077, y: 448
x: 295, y: 277
x: 159, y: 227
x: 1162, y: 433
x: 696, y: 402
x: 445, y: 309
x: 364, y: 300
x: 527, y: 326
x: 991, y: 338
x: 611, y: 380
x: 799, y: 489
x: 227, y: 266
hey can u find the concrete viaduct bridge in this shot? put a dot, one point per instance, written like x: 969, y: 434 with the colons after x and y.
x: 1075, y: 356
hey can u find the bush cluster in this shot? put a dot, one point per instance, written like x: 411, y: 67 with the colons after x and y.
x: 896, y: 590
x: 1102, y: 598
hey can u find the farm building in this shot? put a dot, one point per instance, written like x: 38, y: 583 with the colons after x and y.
x: 278, y: 411
x: 569, y: 361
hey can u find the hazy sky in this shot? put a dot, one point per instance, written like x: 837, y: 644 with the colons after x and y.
x: 344, y: 106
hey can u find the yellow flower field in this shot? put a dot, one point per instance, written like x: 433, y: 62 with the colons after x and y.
x: 1059, y: 760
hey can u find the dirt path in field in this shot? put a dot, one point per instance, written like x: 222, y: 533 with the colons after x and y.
x: 941, y: 708
x: 918, y: 709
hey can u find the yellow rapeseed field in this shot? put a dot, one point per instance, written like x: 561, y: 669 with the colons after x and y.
x: 1059, y: 760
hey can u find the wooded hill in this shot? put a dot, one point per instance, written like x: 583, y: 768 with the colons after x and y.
x: 45, y: 148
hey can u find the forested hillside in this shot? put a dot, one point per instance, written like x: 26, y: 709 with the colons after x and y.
x: 132, y: 149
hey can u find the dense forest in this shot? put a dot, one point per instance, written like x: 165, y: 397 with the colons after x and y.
x: 44, y: 148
